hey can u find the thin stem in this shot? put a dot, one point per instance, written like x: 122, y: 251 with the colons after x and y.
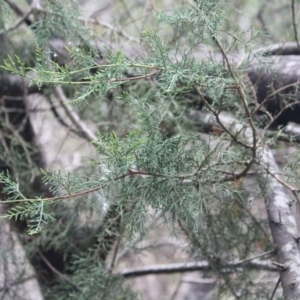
x: 294, y: 24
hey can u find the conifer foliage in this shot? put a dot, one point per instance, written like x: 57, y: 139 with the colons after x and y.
x: 181, y: 140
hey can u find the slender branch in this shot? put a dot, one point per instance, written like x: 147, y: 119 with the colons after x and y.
x: 78, y: 194
x: 116, y: 249
x: 275, y: 288
x: 195, y: 266
x: 238, y: 87
x: 281, y: 111
x: 277, y: 178
x: 64, y: 197
x: 54, y: 270
x: 279, y: 265
x: 59, y: 118
x: 205, y: 121
x: 226, y: 122
x: 18, y: 22
x: 211, y: 120
x: 274, y: 94
x: 294, y: 24
x: 130, y: 16
x: 87, y: 133
x: 19, y: 11
x: 255, y: 257
x: 112, y: 80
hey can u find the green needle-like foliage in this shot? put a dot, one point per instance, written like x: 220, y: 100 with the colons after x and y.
x: 152, y: 155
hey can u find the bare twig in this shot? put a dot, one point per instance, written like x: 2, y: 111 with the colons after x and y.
x: 295, y: 84
x: 130, y: 15
x: 87, y: 133
x: 281, y: 111
x: 277, y: 178
x: 16, y: 132
x: 255, y: 257
x: 59, y: 118
x: 275, y: 288
x: 54, y: 270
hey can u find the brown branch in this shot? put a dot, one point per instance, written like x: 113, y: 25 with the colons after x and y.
x: 239, y: 89
x: 64, y: 197
x: 211, y: 120
x: 277, y: 178
x: 135, y: 77
x: 291, y: 132
x: 281, y: 112
x: 112, y: 80
x: 274, y: 94
x: 78, y: 194
x: 87, y: 133
x: 115, y: 252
